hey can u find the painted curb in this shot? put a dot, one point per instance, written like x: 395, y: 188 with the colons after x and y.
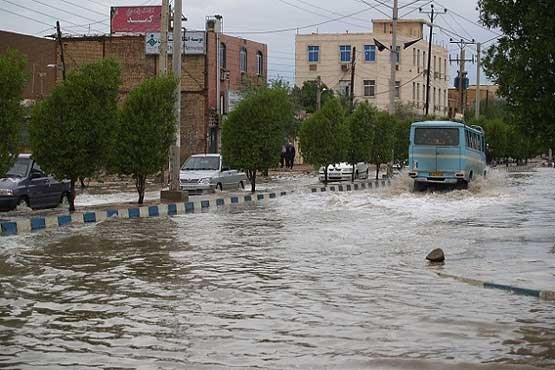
x: 352, y: 186
x: 513, y: 168
x: 34, y: 224
x: 546, y: 295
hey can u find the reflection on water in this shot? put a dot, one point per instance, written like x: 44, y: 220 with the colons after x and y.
x: 335, y: 280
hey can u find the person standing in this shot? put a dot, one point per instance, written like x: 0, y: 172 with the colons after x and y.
x: 290, y: 155
x: 282, y: 156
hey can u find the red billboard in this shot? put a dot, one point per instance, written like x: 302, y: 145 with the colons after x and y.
x: 136, y: 19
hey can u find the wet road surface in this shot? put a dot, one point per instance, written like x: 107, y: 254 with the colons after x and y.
x: 309, y: 281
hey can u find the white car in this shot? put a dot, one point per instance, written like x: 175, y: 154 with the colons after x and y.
x: 206, y: 172
x: 343, y: 171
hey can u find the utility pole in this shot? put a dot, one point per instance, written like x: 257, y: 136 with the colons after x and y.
x: 318, y: 92
x: 59, y: 34
x: 163, y: 64
x: 478, y: 62
x: 393, y: 57
x: 176, y: 61
x: 432, y: 15
x: 352, y: 94
x: 462, y: 60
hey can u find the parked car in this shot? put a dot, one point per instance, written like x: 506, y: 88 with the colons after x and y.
x: 207, y: 172
x: 25, y: 184
x: 343, y: 171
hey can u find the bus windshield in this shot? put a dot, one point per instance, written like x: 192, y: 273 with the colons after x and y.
x: 436, y: 136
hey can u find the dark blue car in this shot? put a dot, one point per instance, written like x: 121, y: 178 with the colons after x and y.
x: 25, y: 184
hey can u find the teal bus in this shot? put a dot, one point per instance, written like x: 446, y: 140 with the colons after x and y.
x: 446, y: 153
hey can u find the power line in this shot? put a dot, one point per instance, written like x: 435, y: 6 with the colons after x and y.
x: 329, y: 11
x: 42, y: 13
x: 471, y: 21
x: 63, y: 10
x: 299, y: 27
x: 24, y: 16
x: 82, y: 7
x: 376, y: 6
x: 318, y: 14
x: 458, y: 24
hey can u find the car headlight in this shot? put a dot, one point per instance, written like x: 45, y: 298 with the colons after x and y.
x: 205, y: 180
x: 6, y: 192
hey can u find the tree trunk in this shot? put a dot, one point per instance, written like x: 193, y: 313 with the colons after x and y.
x: 377, y: 171
x: 71, y: 198
x: 353, y: 174
x: 82, y: 180
x: 140, y: 184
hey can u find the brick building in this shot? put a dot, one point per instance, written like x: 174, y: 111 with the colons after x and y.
x: 202, y: 82
x: 41, y: 60
x: 487, y: 93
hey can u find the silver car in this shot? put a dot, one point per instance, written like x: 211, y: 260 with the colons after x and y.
x: 206, y: 172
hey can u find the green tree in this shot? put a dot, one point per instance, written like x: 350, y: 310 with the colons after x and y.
x: 12, y: 81
x: 382, y: 145
x: 72, y: 131
x: 360, y: 125
x: 521, y: 62
x: 253, y: 133
x: 401, y: 139
x: 324, y: 137
x: 305, y: 96
x: 146, y: 130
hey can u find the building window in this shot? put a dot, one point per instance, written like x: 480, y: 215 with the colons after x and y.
x: 445, y: 68
x: 345, y: 53
x: 370, y: 53
x: 243, y: 60
x: 418, y: 60
x: 439, y: 98
x: 370, y: 88
x: 413, y: 56
x: 444, y: 98
x: 424, y: 62
x: 435, y: 65
x: 413, y: 91
x: 423, y: 92
x: 434, y: 101
x: 223, y: 58
x: 418, y: 91
x: 313, y: 53
x: 398, y: 54
x: 398, y: 89
x: 439, y: 64
x: 259, y: 63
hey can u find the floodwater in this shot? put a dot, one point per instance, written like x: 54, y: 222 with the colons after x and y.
x: 308, y: 281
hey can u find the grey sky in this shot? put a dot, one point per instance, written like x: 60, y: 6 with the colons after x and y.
x: 252, y: 15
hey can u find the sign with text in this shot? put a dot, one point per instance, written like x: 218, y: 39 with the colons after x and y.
x: 135, y: 19
x: 194, y: 42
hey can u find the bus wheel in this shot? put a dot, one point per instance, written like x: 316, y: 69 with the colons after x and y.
x: 462, y: 185
x: 419, y: 186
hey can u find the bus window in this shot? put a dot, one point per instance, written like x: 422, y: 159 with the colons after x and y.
x: 436, y: 136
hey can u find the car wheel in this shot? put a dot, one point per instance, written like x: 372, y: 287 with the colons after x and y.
x: 64, y: 202
x: 23, y: 204
x: 219, y: 186
x: 241, y: 185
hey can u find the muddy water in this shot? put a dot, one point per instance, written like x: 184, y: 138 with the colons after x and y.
x: 310, y: 281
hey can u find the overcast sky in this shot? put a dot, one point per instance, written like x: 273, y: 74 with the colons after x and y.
x: 78, y: 16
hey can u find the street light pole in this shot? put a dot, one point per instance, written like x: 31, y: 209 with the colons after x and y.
x: 393, y: 56
x: 163, y: 64
x: 176, y: 61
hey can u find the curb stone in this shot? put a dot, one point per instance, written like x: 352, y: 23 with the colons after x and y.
x: 546, y: 295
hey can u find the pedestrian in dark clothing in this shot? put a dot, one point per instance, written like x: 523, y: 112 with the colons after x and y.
x: 290, y: 155
x: 282, y: 156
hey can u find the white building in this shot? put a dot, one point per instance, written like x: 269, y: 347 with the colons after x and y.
x: 328, y: 55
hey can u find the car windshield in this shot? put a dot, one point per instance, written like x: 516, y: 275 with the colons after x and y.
x: 202, y: 163
x: 436, y: 136
x: 20, y: 168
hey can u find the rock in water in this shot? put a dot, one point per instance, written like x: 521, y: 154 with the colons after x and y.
x: 436, y: 255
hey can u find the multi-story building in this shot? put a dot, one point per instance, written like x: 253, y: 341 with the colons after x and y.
x: 211, y: 76
x: 329, y: 56
x: 488, y: 93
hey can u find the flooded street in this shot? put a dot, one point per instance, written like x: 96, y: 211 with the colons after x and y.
x: 307, y: 281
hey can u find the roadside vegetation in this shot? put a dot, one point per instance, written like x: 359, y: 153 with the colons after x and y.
x: 12, y: 81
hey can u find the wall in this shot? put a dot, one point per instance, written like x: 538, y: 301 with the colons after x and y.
x: 409, y: 71
x: 40, y: 52
x: 136, y: 66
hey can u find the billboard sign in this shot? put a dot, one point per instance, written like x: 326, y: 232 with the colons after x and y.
x: 135, y: 19
x: 194, y: 42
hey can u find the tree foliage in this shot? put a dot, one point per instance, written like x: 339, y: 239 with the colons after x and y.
x: 324, y: 137
x: 71, y: 131
x: 253, y: 133
x: 360, y: 125
x: 522, y: 62
x: 12, y: 81
x: 382, y: 146
x: 305, y: 96
x: 146, y: 130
